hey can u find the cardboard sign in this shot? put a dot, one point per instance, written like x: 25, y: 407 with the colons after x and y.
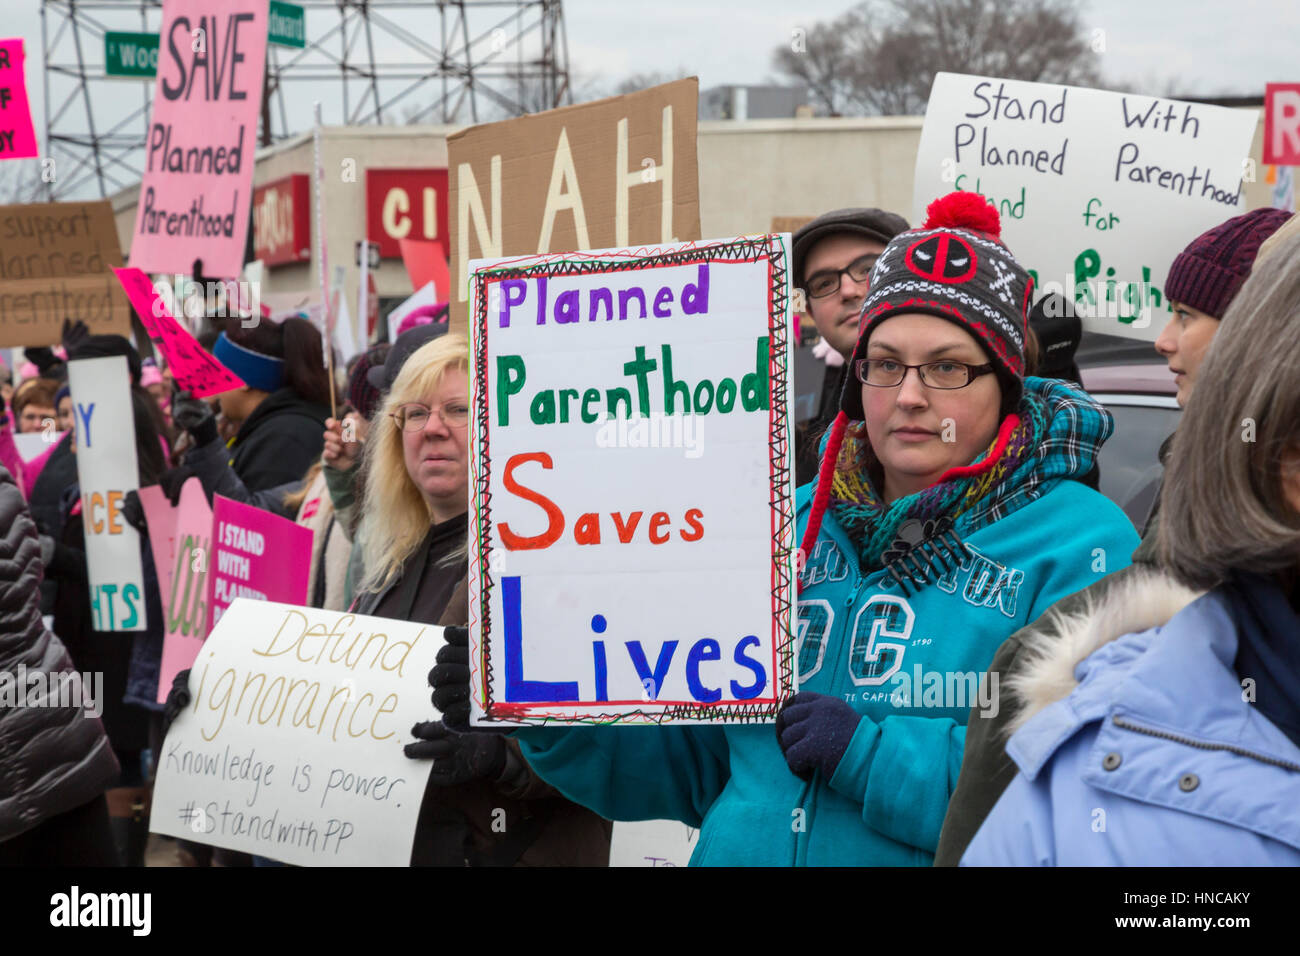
x: 405, y: 204
x: 181, y: 538
x: 282, y: 221
x: 17, y: 135
x: 632, y: 544
x: 255, y: 554
x: 1282, y: 124
x: 194, y: 197
x: 616, y: 172
x: 55, y: 262
x: 1097, y: 191
x: 193, y: 366
x: 292, y: 747
x: 107, y: 470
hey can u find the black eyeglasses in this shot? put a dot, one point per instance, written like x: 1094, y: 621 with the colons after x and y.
x: 886, y: 373
x: 821, y: 284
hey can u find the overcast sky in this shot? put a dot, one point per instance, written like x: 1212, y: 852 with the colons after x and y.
x: 1153, y: 46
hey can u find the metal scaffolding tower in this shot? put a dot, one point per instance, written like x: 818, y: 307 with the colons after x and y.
x: 367, y: 61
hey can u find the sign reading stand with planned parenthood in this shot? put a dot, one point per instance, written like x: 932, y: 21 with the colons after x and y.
x: 632, y: 539
x: 1097, y: 191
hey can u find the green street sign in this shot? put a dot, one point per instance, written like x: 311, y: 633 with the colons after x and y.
x: 131, y: 54
x: 287, y: 25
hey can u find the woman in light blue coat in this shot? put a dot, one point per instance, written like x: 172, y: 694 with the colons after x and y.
x: 1164, y: 728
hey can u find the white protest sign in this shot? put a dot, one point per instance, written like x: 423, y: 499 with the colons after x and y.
x: 426, y: 295
x: 652, y: 843
x: 632, y: 540
x: 292, y: 745
x: 107, y: 470
x: 1097, y: 191
x: 31, y: 445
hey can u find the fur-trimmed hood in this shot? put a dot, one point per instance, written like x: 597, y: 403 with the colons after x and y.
x: 1146, y: 598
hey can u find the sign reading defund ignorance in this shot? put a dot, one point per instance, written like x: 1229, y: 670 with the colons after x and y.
x: 292, y: 745
x: 106, y: 469
x: 1098, y: 192
x: 632, y: 538
x: 616, y: 172
x: 194, y: 198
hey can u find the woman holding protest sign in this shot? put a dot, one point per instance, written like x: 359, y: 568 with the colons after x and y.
x: 416, y: 497
x: 1161, y: 726
x: 945, y: 516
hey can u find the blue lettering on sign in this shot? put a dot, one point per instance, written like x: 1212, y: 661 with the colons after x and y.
x: 517, y: 688
x: 83, y: 415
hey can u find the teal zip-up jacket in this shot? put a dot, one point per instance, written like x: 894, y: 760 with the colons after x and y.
x: 861, y: 639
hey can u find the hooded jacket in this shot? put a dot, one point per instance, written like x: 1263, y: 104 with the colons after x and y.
x: 52, y: 759
x: 909, y: 664
x: 279, y: 441
x: 1137, y: 745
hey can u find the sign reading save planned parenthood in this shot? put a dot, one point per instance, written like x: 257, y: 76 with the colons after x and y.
x: 194, y: 197
x: 632, y: 538
x: 292, y: 745
x: 1098, y: 191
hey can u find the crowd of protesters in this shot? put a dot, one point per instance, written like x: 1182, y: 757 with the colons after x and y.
x: 953, y: 430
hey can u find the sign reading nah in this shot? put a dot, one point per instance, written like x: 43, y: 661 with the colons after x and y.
x: 281, y: 221
x: 405, y: 204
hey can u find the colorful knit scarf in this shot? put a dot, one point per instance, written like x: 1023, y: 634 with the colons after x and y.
x: 872, y: 525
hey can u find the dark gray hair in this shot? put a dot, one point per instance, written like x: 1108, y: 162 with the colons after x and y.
x: 1223, y: 504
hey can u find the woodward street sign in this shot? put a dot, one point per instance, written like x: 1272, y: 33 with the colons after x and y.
x: 287, y: 25
x: 130, y: 54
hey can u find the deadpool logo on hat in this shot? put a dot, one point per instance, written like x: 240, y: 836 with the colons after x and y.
x: 945, y: 258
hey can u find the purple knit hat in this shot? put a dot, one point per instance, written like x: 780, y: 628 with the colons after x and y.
x: 1209, y: 272
x: 363, y: 396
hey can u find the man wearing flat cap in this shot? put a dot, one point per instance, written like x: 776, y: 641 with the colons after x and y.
x: 832, y: 261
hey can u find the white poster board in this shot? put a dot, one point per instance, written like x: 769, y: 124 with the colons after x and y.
x: 292, y: 745
x: 425, y: 295
x: 632, y: 528
x: 107, y: 470
x: 1097, y: 191
x: 652, y: 843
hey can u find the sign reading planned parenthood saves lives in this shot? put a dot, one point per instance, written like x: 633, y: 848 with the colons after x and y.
x: 632, y: 539
x: 194, y: 199
x: 1098, y: 191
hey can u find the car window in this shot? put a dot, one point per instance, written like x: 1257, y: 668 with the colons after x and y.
x: 1129, y: 463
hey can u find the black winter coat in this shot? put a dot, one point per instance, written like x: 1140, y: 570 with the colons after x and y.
x: 52, y: 759
x: 278, y: 442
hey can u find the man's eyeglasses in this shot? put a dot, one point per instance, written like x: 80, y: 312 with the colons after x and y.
x: 886, y: 373
x: 413, y: 416
x: 821, y: 284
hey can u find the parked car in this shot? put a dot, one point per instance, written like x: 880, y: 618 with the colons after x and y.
x: 1140, y: 393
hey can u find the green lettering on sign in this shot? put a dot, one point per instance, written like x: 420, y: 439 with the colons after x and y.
x: 131, y: 54
x: 287, y: 25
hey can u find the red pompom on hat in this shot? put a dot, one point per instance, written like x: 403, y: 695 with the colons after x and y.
x: 964, y: 210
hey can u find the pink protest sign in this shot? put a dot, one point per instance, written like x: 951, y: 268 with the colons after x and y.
x: 17, y: 135
x: 193, y: 366
x: 256, y: 554
x: 195, y: 198
x: 181, y: 538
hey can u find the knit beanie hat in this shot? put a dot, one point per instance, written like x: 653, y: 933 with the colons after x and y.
x: 363, y: 396
x: 1209, y: 272
x: 101, y: 346
x: 954, y: 267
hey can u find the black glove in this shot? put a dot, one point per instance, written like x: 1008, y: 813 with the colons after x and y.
x: 450, y: 679
x: 457, y: 758
x: 172, y: 480
x: 133, y: 513
x: 814, y: 731
x: 44, y: 359
x: 195, y: 416
x: 178, y: 698
x: 75, y: 335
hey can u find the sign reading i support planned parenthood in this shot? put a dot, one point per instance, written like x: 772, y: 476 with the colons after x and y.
x: 632, y: 538
x: 106, y: 470
x: 1098, y: 192
x: 292, y: 745
x: 194, y: 198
